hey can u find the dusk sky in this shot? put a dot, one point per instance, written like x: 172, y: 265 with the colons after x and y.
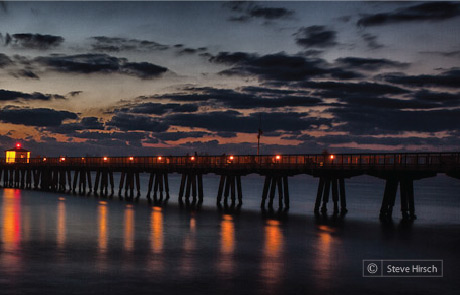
x: 147, y: 78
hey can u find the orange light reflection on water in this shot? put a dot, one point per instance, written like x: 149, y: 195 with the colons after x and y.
x: 11, y: 229
x: 273, y: 256
x: 227, y: 245
x: 324, y: 263
x: 61, y: 224
x: 156, y: 263
x: 129, y: 228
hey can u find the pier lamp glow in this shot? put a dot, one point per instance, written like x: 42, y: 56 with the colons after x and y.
x: 159, y: 158
x: 278, y: 157
x: 332, y: 157
x: 131, y: 158
x: 62, y: 159
x: 44, y: 159
x: 192, y: 158
x: 105, y: 159
x: 231, y: 158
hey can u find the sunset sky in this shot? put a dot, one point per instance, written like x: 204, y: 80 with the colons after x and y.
x: 147, y: 78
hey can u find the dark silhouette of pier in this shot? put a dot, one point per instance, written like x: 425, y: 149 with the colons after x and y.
x: 75, y: 175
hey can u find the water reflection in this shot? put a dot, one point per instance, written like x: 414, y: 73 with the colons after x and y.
x: 187, y: 265
x: 227, y: 245
x: 273, y: 257
x: 156, y: 239
x: 11, y: 229
x: 129, y: 228
x: 324, y: 263
x: 61, y: 224
x: 102, y: 227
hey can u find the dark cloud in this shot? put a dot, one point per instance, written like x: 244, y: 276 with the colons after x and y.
x: 33, y: 41
x: 25, y: 74
x: 447, y: 99
x: 41, y: 117
x: 387, y: 140
x: 112, y: 138
x: 100, y: 63
x: 246, y: 11
x: 233, y: 121
x: 173, y: 136
x: 342, y: 89
x: 280, y: 66
x: 449, y: 79
x: 75, y: 93
x: 114, y: 44
x: 431, y: 11
x: 5, y: 60
x: 372, y: 120
x: 315, y: 36
x: 454, y: 53
x: 369, y: 64
x: 371, y: 41
x: 127, y: 122
x: 7, y: 95
x: 159, y: 108
x: 247, y: 98
x: 86, y: 123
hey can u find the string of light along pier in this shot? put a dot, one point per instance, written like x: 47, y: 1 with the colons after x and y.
x: 86, y: 175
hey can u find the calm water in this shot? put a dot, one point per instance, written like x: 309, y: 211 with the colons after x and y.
x: 66, y: 244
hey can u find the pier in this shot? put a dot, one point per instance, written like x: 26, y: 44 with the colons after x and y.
x: 95, y: 175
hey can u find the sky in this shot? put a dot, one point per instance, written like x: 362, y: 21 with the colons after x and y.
x: 170, y: 78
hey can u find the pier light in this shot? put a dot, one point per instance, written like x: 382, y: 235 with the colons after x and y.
x: 278, y: 157
x: 231, y: 158
x: 82, y: 159
x: 332, y: 157
x: 62, y: 159
x: 192, y: 158
x: 44, y: 159
x: 131, y: 158
x: 105, y: 159
x: 17, y: 155
x: 159, y: 158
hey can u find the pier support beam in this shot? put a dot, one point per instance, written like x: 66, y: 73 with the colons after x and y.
x: 270, y: 187
x: 325, y: 186
x: 406, y: 186
x: 192, y: 185
x: 230, y: 186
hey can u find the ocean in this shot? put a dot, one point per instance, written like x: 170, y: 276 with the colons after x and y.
x: 53, y: 243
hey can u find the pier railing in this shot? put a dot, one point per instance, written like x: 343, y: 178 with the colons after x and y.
x: 421, y: 161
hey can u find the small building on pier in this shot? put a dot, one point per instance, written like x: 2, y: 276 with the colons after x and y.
x: 17, y: 155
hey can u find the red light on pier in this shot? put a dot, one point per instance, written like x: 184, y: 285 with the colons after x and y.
x: 159, y: 158
x: 62, y: 159
x: 192, y: 158
x: 105, y: 159
x: 131, y: 158
x: 278, y: 157
x: 44, y: 159
x: 332, y: 157
x: 231, y: 158
x: 18, y: 145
